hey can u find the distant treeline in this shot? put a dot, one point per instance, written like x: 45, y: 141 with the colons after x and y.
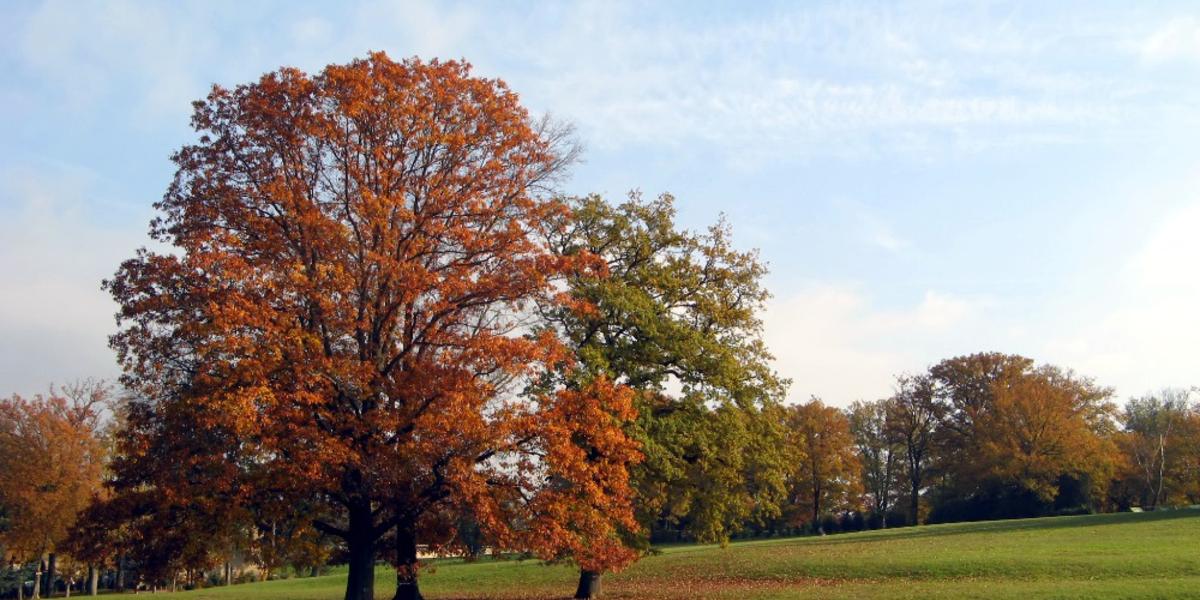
x: 980, y: 437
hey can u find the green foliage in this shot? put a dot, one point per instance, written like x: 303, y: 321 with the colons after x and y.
x: 675, y: 316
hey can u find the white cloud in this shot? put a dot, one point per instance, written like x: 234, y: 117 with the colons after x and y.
x: 1179, y: 39
x: 1145, y: 334
x: 833, y: 342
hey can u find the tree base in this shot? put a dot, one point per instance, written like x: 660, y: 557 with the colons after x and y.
x: 408, y: 591
x: 589, y: 585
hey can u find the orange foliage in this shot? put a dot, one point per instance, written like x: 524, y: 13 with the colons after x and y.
x: 355, y: 257
x: 53, y: 462
x: 827, y: 476
x: 1045, y: 425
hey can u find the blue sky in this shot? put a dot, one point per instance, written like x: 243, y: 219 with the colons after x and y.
x: 925, y: 181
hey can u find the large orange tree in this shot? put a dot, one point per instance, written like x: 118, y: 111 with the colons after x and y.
x: 343, y: 310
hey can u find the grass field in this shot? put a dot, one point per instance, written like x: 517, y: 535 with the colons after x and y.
x: 1146, y: 555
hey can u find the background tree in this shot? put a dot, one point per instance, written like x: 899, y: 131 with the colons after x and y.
x: 965, y: 388
x: 1044, y: 427
x: 879, y: 452
x: 913, y: 420
x: 827, y: 475
x: 1155, y: 441
x: 353, y: 256
x: 53, y: 464
x: 675, y: 317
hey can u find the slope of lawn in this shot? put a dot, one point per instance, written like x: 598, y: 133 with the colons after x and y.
x: 1143, y: 555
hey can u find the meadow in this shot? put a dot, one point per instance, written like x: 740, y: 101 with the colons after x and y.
x: 1126, y: 555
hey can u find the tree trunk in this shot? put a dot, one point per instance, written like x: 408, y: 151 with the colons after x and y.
x: 93, y: 580
x: 915, y: 506
x: 589, y: 584
x: 119, y: 584
x: 407, y: 565
x: 816, y: 516
x: 51, y: 573
x: 360, y: 545
x: 37, y: 581
x: 228, y: 573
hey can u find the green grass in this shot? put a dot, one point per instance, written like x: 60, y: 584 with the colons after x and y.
x: 1147, y: 555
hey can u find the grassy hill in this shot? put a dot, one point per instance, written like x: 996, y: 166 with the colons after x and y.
x: 1147, y: 555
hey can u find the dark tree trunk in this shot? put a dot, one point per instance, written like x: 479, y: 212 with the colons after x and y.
x: 228, y: 573
x: 407, y: 564
x: 589, y: 584
x: 93, y: 580
x: 119, y: 584
x: 816, y: 515
x: 360, y: 544
x: 51, y: 572
x: 915, y: 506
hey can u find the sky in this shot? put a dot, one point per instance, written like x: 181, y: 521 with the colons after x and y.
x: 925, y: 180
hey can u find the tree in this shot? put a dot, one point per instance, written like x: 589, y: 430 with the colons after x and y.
x: 964, y: 386
x: 53, y: 463
x: 675, y: 317
x: 879, y: 453
x: 1155, y: 442
x: 827, y: 477
x: 344, y: 309
x: 913, y: 419
x: 1046, y: 425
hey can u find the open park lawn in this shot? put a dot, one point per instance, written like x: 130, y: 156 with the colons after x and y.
x: 1128, y: 555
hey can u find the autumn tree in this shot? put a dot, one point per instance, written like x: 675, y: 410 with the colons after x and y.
x: 674, y: 316
x: 965, y: 388
x: 1155, y: 441
x: 879, y: 452
x: 827, y: 473
x: 913, y: 419
x: 342, y: 311
x: 1044, y: 426
x: 53, y: 463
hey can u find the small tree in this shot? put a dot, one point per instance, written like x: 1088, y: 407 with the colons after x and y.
x: 1155, y: 440
x: 828, y: 475
x: 913, y: 418
x: 879, y: 452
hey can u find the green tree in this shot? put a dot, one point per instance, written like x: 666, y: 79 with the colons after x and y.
x: 676, y: 318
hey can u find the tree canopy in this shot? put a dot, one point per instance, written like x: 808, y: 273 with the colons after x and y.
x: 342, y: 317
